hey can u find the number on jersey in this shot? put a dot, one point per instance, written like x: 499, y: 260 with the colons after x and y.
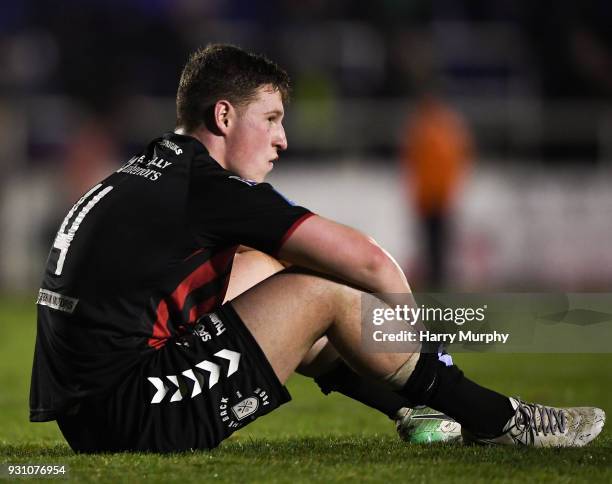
x: 65, y: 235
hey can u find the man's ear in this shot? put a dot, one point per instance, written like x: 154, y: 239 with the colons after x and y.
x: 223, y: 114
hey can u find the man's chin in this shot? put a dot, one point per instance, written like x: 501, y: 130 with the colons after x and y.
x: 262, y: 177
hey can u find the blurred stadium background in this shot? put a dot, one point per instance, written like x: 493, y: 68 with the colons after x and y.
x: 527, y: 85
x: 492, y: 119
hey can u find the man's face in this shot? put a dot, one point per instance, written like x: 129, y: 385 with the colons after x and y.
x: 256, y: 136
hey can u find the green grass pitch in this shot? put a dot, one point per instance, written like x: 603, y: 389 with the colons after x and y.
x: 323, y: 439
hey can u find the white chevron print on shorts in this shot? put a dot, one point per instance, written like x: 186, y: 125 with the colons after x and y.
x: 212, y: 369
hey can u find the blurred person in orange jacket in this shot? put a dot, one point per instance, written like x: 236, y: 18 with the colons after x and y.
x: 435, y: 158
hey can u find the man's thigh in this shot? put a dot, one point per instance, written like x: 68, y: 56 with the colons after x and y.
x: 288, y: 312
x: 191, y: 394
x: 251, y: 267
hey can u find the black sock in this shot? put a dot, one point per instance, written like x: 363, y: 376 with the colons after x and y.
x: 344, y: 380
x: 444, y: 388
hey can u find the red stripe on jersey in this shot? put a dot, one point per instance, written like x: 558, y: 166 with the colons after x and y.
x: 160, y: 328
x: 201, y: 276
x: 289, y: 232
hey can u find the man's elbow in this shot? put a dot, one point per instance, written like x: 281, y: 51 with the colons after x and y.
x: 382, y: 270
x: 376, y: 261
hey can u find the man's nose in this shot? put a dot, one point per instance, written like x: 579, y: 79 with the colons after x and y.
x: 280, y: 141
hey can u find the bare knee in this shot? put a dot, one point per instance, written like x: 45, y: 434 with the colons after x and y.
x: 347, y: 302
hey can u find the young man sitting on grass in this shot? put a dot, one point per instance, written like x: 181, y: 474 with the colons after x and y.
x: 135, y: 349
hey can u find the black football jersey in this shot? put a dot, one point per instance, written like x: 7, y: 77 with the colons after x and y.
x: 139, y: 258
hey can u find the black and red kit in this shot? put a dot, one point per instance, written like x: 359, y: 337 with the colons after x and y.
x: 132, y: 340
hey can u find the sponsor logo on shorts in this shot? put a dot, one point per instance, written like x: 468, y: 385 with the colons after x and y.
x: 200, y: 330
x: 208, y: 325
x: 194, y: 378
x: 219, y: 326
x: 235, y: 415
x: 57, y: 301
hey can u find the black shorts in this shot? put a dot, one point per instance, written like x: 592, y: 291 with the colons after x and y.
x: 191, y: 394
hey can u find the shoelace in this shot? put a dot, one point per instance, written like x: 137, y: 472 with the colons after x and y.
x: 552, y: 420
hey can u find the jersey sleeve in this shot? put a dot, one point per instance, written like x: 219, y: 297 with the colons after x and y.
x: 228, y: 210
